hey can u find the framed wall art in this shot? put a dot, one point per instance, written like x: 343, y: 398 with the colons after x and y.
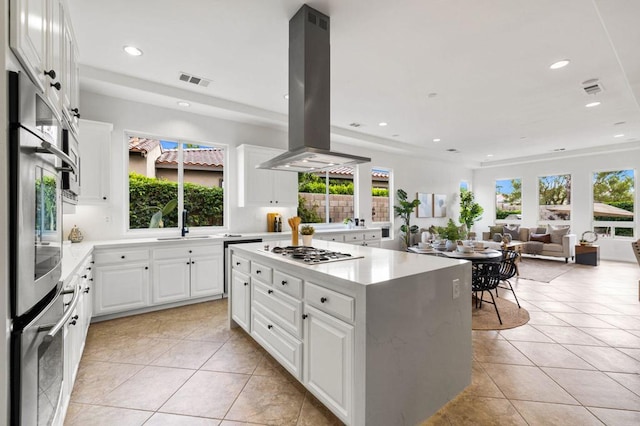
x: 439, y: 205
x: 425, y: 208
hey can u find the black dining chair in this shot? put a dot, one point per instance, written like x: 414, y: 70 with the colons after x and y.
x: 508, y: 270
x: 485, y: 277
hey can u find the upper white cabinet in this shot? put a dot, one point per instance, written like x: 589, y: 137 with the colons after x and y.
x: 95, y: 154
x: 42, y: 38
x: 259, y: 187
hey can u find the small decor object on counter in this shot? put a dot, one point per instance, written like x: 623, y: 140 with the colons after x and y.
x: 273, y: 222
x: 75, y: 236
x: 294, y: 222
x: 307, y: 232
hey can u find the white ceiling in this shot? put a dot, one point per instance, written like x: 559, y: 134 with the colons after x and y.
x: 487, y: 61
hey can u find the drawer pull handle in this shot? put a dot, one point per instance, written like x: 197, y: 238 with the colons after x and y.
x: 87, y: 290
x: 122, y: 257
x: 258, y: 271
x: 246, y: 283
x: 146, y: 267
x: 269, y: 291
x: 83, y: 277
x: 284, y: 282
x: 304, y: 316
x: 89, y: 268
x: 237, y: 263
x: 188, y: 263
x: 269, y: 326
x: 190, y: 251
x: 72, y: 322
x: 75, y: 317
x: 323, y: 299
x: 50, y: 73
x: 193, y: 262
x: 90, y: 279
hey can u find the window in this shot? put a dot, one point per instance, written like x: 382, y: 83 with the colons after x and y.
x: 613, y: 206
x: 167, y: 177
x: 380, y: 191
x: 464, y: 185
x: 327, y: 196
x: 509, y: 199
x: 554, y: 197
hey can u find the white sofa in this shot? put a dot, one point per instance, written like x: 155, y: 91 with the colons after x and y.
x: 565, y: 248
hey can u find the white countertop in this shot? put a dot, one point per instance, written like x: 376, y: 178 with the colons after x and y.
x: 376, y: 266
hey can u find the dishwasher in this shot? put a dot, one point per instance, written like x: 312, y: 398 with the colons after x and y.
x: 227, y: 256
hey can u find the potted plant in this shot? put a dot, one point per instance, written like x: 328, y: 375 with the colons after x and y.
x: 451, y: 233
x: 470, y: 211
x: 307, y: 232
x: 404, y: 208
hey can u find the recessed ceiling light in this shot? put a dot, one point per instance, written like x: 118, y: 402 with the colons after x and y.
x: 560, y: 64
x: 382, y: 124
x: 436, y: 140
x: 620, y: 135
x: 132, y: 50
x: 183, y: 104
x: 286, y: 96
x: 592, y: 104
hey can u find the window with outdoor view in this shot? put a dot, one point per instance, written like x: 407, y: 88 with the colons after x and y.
x: 167, y: 177
x: 380, y: 202
x: 554, y: 197
x: 613, y: 203
x: 326, y: 196
x: 509, y: 199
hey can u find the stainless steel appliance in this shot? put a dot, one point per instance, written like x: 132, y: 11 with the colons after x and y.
x: 35, y: 240
x: 70, y: 179
x: 312, y: 255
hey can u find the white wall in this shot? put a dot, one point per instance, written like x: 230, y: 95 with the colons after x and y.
x: 410, y: 173
x: 581, y: 168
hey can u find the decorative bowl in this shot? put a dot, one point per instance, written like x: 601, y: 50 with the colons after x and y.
x: 465, y: 249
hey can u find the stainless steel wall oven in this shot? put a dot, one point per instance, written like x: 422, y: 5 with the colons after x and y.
x: 36, y: 165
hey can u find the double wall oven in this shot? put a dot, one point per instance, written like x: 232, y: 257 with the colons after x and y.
x: 37, y: 166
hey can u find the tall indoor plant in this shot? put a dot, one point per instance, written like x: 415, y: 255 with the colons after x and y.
x: 470, y: 211
x: 404, y: 208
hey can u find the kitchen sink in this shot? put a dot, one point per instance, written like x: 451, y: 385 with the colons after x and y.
x: 195, y: 237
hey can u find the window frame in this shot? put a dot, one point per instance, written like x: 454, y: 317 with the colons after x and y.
x: 180, y: 173
x: 554, y: 222
x: 389, y: 220
x: 327, y: 207
x: 612, y: 225
x: 495, y: 203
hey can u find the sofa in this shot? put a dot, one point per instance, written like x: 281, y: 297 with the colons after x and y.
x: 554, y: 241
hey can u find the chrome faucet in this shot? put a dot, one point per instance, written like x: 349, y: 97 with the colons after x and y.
x: 185, y: 218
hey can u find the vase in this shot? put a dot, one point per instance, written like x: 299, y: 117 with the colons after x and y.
x: 450, y: 245
x: 307, y: 240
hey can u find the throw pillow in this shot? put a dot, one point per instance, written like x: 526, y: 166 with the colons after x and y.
x: 538, y: 230
x: 495, y: 230
x: 557, y: 232
x: 497, y: 237
x: 513, y: 230
x: 543, y: 238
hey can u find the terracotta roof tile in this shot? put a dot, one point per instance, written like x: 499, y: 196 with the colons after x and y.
x: 144, y: 145
x: 207, y: 157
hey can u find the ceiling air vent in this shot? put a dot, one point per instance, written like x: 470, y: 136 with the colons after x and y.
x: 453, y: 150
x: 592, y: 86
x: 355, y: 124
x: 198, y: 81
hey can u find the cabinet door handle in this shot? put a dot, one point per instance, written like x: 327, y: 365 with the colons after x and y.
x: 269, y: 326
x: 237, y: 263
x: 50, y: 73
x: 188, y: 263
x: 246, y: 283
x: 90, y: 279
x: 89, y: 268
x: 56, y: 86
x: 83, y: 277
x: 269, y: 291
x: 122, y: 257
x: 304, y: 316
x: 258, y: 271
x: 190, y: 251
x: 284, y: 282
x: 72, y: 322
x: 146, y: 267
x: 323, y: 299
x: 75, y: 317
x: 87, y: 290
x: 193, y: 261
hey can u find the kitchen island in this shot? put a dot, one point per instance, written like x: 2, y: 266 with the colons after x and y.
x: 381, y: 338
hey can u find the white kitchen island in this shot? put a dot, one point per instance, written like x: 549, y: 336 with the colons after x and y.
x: 384, y: 339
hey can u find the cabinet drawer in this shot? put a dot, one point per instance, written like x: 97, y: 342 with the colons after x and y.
x: 264, y: 273
x: 356, y: 236
x: 339, y: 238
x: 240, y: 263
x: 281, y: 308
x: 373, y: 235
x: 290, y: 285
x: 280, y: 344
x: 121, y: 256
x: 330, y: 301
x: 186, y: 251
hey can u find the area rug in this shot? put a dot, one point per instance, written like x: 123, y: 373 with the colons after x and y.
x: 485, y: 318
x: 542, y: 270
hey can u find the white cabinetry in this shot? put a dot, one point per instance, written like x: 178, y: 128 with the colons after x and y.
x: 259, y: 187
x: 42, y: 38
x: 328, y: 361
x: 95, y: 154
x: 241, y: 300
x: 181, y: 273
x: 360, y: 237
x: 121, y: 280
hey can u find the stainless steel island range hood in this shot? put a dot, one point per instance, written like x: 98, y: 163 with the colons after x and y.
x: 309, y: 98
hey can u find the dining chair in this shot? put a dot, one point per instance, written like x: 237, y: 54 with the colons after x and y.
x: 485, y: 277
x: 508, y: 270
x: 636, y: 250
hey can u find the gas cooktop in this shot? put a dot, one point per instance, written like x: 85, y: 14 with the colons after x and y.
x: 311, y: 255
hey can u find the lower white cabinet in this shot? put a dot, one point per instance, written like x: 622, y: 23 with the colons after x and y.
x: 122, y: 287
x: 171, y: 280
x: 206, y: 275
x: 328, y: 360
x: 241, y: 299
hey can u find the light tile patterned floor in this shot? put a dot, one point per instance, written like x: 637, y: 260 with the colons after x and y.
x: 577, y: 362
